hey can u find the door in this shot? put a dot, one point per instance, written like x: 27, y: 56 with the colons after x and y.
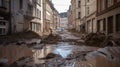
x: 110, y: 25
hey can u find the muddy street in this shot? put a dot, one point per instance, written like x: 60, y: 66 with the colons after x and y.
x: 63, y: 54
x: 60, y: 50
x: 67, y: 54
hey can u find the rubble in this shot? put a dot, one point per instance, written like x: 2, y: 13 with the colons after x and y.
x: 51, y: 55
x: 105, y: 57
x: 19, y: 38
x: 70, y: 51
x: 51, y: 39
x: 100, y: 40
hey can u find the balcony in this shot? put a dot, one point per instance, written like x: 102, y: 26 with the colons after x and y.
x: 29, y: 15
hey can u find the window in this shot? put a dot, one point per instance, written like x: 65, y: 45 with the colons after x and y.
x: 104, y: 25
x: 110, y: 24
x: 88, y: 10
x: 109, y: 3
x: 118, y: 23
x: 87, y: 0
x: 79, y: 15
x: 2, y: 3
x: 102, y: 4
x: 21, y: 4
x: 79, y: 2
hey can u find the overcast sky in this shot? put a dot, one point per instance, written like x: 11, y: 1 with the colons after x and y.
x: 61, y: 5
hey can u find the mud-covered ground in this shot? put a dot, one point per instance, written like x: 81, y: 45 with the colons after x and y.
x: 71, y: 51
x: 63, y: 49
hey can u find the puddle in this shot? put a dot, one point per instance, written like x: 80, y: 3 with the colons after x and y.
x: 64, y: 49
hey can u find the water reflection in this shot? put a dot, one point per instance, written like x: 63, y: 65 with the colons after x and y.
x: 64, y: 49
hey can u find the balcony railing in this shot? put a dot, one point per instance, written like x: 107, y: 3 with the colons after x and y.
x: 29, y: 15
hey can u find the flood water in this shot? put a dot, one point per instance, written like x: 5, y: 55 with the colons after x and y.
x: 65, y: 50
x: 71, y: 55
x: 63, y: 54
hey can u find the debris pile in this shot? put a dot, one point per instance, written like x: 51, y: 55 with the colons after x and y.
x: 94, y: 39
x: 19, y: 38
x: 51, y: 39
x: 100, y: 40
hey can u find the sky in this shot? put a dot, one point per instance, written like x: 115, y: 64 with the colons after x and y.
x: 61, y: 5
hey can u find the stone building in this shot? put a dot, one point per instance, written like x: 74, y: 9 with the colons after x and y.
x: 48, y: 17
x: 63, y: 20
x: 56, y: 19
x: 78, y: 14
x: 26, y: 15
x: 69, y: 16
x: 73, y: 7
x: 82, y: 8
x: 91, y: 25
x: 108, y: 16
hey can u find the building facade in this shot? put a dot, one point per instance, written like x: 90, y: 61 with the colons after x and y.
x: 91, y: 24
x: 63, y: 20
x: 48, y: 17
x: 84, y: 15
x: 26, y: 15
x: 56, y: 20
x: 78, y: 14
x: 82, y: 23
x: 36, y: 23
x: 73, y: 7
x: 69, y: 16
x: 4, y: 17
x: 108, y: 16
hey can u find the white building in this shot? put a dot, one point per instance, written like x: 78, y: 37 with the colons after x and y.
x: 64, y: 20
